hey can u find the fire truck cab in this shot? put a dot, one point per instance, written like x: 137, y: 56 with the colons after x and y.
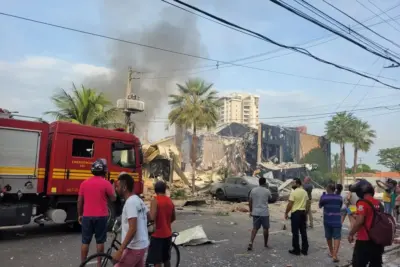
x: 42, y: 166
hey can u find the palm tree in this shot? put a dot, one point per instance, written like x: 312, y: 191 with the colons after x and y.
x: 336, y: 163
x: 362, y: 139
x: 338, y: 130
x: 195, y: 107
x: 84, y: 106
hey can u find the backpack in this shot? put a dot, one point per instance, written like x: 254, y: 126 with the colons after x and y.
x: 383, y: 227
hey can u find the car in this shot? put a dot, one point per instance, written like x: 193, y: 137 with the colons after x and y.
x: 239, y: 187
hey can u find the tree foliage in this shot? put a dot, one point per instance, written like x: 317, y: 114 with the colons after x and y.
x: 316, y: 156
x: 390, y: 158
x: 339, y: 131
x: 84, y: 106
x: 194, y: 107
x: 361, y: 138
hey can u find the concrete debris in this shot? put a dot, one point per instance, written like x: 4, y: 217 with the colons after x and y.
x: 192, y: 237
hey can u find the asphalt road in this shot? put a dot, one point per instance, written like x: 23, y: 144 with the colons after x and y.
x: 58, y: 246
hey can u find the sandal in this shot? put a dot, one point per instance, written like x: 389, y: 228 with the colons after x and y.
x: 336, y: 260
x: 250, y: 247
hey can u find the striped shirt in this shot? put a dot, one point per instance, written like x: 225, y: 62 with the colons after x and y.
x: 332, y: 204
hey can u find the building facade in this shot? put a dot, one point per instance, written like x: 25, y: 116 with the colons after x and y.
x: 239, y: 108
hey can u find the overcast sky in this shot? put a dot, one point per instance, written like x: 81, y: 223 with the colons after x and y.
x: 37, y: 60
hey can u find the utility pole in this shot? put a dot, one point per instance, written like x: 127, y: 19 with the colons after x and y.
x: 131, y: 103
x: 259, y: 144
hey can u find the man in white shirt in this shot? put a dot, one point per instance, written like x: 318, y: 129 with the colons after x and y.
x: 134, y: 236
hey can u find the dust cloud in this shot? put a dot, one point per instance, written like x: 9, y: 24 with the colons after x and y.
x: 166, y: 27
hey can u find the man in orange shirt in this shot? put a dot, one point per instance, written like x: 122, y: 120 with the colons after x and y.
x: 162, y: 211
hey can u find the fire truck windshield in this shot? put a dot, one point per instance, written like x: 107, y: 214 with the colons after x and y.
x: 123, y: 155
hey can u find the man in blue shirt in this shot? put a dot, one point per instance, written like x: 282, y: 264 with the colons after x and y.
x: 332, y: 204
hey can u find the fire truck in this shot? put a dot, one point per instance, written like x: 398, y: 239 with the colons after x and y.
x: 42, y: 166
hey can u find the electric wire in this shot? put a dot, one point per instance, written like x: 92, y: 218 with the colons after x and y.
x: 355, y: 86
x: 366, y: 41
x: 373, y: 12
x: 384, y: 12
x: 362, y: 24
x: 276, y: 50
x: 318, y: 23
x: 189, y: 55
x: 185, y: 54
x: 297, y: 49
x: 389, y: 107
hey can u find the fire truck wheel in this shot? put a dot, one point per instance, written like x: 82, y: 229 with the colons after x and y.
x: 111, y: 215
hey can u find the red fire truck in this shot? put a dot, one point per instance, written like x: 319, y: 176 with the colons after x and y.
x: 42, y: 166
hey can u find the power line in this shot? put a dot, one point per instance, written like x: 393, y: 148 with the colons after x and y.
x: 297, y: 49
x: 367, y: 92
x: 379, y: 49
x: 377, y: 7
x: 389, y: 107
x: 183, y: 54
x: 268, y: 52
x: 366, y: 27
x: 320, y: 24
x: 373, y: 12
x: 355, y: 86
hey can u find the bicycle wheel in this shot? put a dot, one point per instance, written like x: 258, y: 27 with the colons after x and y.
x: 106, y: 260
x: 175, y: 255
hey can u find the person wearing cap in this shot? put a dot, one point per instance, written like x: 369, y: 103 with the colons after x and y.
x: 297, y: 206
x: 94, y: 194
x: 162, y: 212
x: 309, y: 188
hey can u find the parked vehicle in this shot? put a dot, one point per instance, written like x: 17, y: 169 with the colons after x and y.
x: 42, y: 166
x: 238, y: 188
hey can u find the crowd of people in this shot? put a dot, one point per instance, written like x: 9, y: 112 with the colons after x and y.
x: 94, y: 195
x: 367, y: 235
x: 358, y: 205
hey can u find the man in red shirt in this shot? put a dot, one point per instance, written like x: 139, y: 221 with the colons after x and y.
x: 162, y: 211
x: 365, y: 250
x: 94, y: 194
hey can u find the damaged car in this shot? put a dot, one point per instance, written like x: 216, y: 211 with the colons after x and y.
x: 238, y: 188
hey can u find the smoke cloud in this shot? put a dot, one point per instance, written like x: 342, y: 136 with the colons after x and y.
x: 169, y: 28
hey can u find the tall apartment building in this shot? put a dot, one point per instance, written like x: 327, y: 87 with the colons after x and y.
x: 240, y: 108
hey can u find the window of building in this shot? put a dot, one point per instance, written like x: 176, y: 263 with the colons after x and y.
x: 123, y: 155
x: 82, y: 148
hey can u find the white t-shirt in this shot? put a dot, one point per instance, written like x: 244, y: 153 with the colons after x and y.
x: 135, y: 208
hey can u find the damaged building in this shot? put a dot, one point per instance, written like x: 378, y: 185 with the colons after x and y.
x: 215, y: 152
x: 281, y: 146
x: 234, y: 149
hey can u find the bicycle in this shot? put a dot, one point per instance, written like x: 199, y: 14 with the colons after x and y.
x: 107, y: 260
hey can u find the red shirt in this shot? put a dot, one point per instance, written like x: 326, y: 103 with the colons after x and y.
x: 95, y: 192
x: 165, y: 209
x: 365, y: 209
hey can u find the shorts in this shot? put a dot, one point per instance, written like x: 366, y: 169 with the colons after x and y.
x: 333, y: 232
x: 96, y: 226
x: 343, y: 212
x: 367, y: 252
x: 159, y: 250
x: 259, y: 221
x: 132, y: 258
x: 388, y: 207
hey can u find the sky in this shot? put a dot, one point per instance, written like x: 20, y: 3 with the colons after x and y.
x: 37, y: 61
